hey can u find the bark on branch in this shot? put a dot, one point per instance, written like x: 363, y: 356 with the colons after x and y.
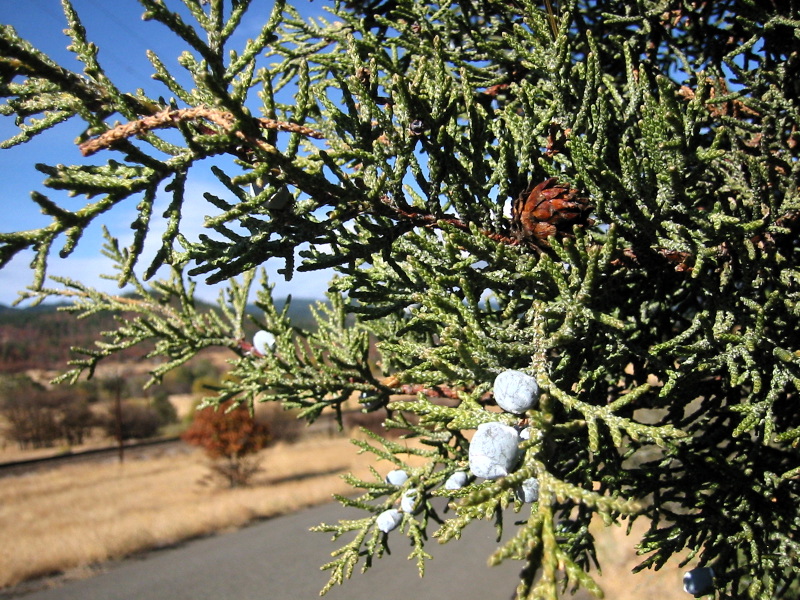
x: 171, y: 118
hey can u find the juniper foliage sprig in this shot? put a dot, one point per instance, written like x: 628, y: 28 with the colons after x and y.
x: 163, y: 319
x: 392, y: 136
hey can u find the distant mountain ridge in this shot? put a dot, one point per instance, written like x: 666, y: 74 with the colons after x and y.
x: 40, y: 337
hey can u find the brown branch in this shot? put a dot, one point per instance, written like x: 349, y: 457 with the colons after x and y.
x: 681, y: 261
x: 437, y: 391
x: 429, y: 220
x: 431, y: 391
x: 171, y: 118
x: 734, y: 107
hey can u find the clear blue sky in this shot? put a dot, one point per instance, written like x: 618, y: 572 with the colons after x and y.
x: 117, y: 28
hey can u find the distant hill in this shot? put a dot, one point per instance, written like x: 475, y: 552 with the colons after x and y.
x: 40, y: 337
x: 299, y: 311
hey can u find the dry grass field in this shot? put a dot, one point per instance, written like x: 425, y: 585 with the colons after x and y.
x: 69, y: 520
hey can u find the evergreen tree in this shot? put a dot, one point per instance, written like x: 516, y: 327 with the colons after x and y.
x: 602, y: 196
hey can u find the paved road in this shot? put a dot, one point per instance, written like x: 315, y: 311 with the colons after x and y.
x: 279, y: 559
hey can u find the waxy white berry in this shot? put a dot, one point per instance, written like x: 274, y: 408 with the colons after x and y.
x: 493, y: 451
x: 263, y: 341
x: 410, y: 502
x: 456, y: 481
x: 699, y: 582
x: 515, y: 391
x: 396, y: 477
x: 389, y: 519
x: 528, y: 491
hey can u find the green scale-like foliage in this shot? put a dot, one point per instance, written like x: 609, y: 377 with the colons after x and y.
x: 661, y: 331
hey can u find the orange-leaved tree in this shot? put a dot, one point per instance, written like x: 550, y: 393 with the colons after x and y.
x: 231, y: 437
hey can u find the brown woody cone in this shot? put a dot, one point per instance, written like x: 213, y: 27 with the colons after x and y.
x: 547, y: 209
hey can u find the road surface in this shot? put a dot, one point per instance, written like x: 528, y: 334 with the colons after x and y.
x: 279, y: 559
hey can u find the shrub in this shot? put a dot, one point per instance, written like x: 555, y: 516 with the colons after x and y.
x: 75, y: 418
x: 32, y: 420
x: 166, y: 411
x: 40, y: 418
x: 230, y: 437
x: 134, y: 421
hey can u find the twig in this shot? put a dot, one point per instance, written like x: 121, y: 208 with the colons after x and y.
x: 171, y: 118
x: 680, y: 260
x: 429, y: 220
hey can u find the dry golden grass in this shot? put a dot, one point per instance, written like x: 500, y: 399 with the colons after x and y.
x: 79, y: 515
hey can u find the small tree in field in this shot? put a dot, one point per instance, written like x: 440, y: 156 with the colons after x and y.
x: 230, y: 437
x: 595, y: 201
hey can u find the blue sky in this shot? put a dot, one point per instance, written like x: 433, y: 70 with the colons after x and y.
x: 117, y: 28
